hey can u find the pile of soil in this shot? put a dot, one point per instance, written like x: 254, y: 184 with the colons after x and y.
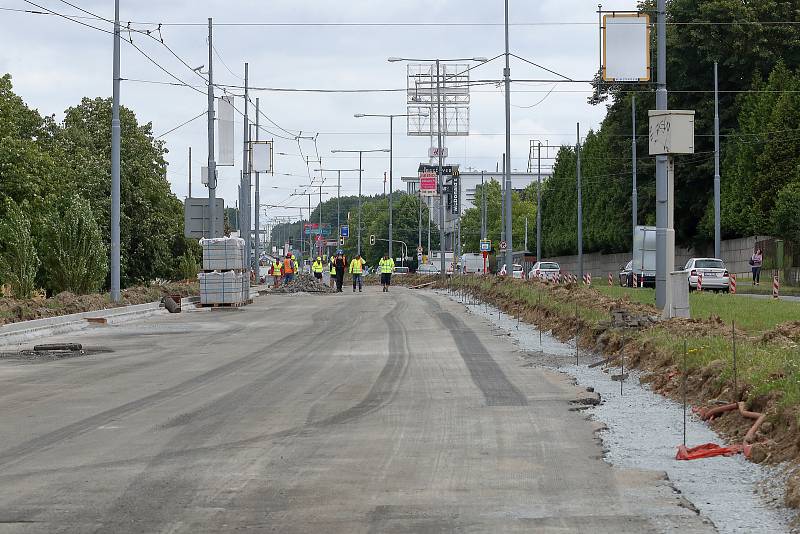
x: 15, y: 310
x: 304, y: 283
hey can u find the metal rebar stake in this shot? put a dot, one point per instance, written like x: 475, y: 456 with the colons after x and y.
x: 577, y: 334
x: 685, y: 367
x: 735, y: 371
x: 622, y: 366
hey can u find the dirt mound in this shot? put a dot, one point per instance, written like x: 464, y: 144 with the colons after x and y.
x: 787, y: 334
x: 304, y: 283
x: 15, y: 310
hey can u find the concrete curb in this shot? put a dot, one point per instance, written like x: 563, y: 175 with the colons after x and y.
x: 17, y: 333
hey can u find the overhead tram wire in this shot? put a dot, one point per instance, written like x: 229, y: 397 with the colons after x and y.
x: 181, y: 125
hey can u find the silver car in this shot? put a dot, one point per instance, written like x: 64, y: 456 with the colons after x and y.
x: 715, y: 275
x: 548, y: 270
x: 427, y: 268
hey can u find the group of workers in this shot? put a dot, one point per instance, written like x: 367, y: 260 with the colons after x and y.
x: 337, y: 266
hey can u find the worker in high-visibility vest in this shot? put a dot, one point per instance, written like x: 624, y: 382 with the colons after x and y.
x: 332, y: 270
x: 357, y: 272
x: 317, y: 267
x: 386, y: 265
x: 289, y: 268
x: 276, y: 274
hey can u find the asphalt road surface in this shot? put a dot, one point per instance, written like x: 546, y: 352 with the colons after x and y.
x: 303, y: 413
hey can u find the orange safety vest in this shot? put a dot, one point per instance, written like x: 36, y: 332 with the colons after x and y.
x: 288, y: 266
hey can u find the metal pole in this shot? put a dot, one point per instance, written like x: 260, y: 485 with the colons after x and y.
x: 580, y: 205
x: 717, y: 230
x: 258, y: 206
x: 429, y: 228
x: 442, y: 265
x: 391, y: 128
x: 116, y: 140
x: 338, y: 202
x: 509, y: 193
x: 526, y: 234
x: 539, y: 206
x: 419, y: 226
x: 190, y: 172
x: 662, y: 185
x: 635, y: 192
x: 245, y: 208
x: 212, y: 165
x: 483, y: 207
x: 360, y: 154
x: 310, y: 233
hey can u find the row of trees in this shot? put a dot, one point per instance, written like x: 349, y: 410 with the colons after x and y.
x: 55, y: 200
x: 759, y: 58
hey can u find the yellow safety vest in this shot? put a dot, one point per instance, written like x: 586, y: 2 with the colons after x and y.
x: 333, y: 268
x: 316, y: 267
x: 387, y: 266
x: 276, y: 269
x: 356, y: 266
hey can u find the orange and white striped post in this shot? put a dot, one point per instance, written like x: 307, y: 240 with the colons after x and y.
x: 635, y: 280
x: 610, y: 280
x: 733, y: 283
x: 776, y: 287
x: 700, y: 282
x: 589, y: 278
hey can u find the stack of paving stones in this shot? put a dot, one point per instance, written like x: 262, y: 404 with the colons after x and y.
x: 304, y: 283
x: 223, y: 281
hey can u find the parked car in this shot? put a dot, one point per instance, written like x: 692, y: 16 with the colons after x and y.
x: 518, y: 272
x: 643, y: 278
x: 427, y: 268
x: 715, y: 274
x: 401, y: 270
x: 548, y: 269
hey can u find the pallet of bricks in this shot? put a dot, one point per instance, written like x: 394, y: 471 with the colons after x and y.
x: 223, y: 281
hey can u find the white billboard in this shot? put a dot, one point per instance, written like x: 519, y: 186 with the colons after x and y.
x: 626, y: 47
x: 225, y: 142
x: 261, y: 156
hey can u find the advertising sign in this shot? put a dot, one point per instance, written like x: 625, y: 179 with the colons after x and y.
x: 626, y: 47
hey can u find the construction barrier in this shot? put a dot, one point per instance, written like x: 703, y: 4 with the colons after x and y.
x: 635, y: 280
x: 733, y: 284
x: 776, y: 287
x: 610, y: 280
x: 589, y: 277
x: 700, y: 282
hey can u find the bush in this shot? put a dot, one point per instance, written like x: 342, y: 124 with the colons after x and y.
x: 786, y: 214
x: 187, y: 267
x: 75, y: 258
x: 18, y: 259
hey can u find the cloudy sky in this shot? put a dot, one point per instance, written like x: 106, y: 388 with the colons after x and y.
x: 313, y: 44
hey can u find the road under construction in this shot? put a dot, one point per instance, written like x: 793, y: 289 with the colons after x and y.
x: 371, y: 412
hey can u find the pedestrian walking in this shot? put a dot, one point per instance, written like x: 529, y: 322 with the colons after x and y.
x: 332, y: 270
x: 276, y: 274
x: 341, y: 267
x: 357, y: 272
x: 317, y: 268
x: 386, y: 265
x: 756, y: 260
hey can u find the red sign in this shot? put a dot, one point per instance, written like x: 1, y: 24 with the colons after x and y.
x: 427, y: 183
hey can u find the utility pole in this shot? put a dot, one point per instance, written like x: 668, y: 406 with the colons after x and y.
x: 635, y: 192
x: 246, y: 172
x: 526, y: 234
x: 717, y: 226
x: 442, y: 266
x: 391, y: 196
x: 483, y: 207
x: 507, y: 159
x: 580, y: 205
x: 665, y: 236
x: 190, y: 172
x: 539, y: 205
x: 258, y: 206
x: 212, y: 165
x: 116, y: 141
x: 360, y: 165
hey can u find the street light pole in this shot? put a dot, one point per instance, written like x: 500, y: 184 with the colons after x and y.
x: 442, y: 265
x: 212, y: 164
x: 539, y: 205
x: 391, y: 196
x: 509, y: 190
x: 116, y: 141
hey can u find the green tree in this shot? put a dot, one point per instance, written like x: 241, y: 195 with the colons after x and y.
x: 75, y: 257
x: 19, y: 261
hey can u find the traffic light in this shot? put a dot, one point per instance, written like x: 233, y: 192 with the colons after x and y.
x: 372, y: 240
x: 341, y: 241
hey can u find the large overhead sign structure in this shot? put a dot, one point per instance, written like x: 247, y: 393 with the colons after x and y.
x: 626, y: 47
x: 422, y: 100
